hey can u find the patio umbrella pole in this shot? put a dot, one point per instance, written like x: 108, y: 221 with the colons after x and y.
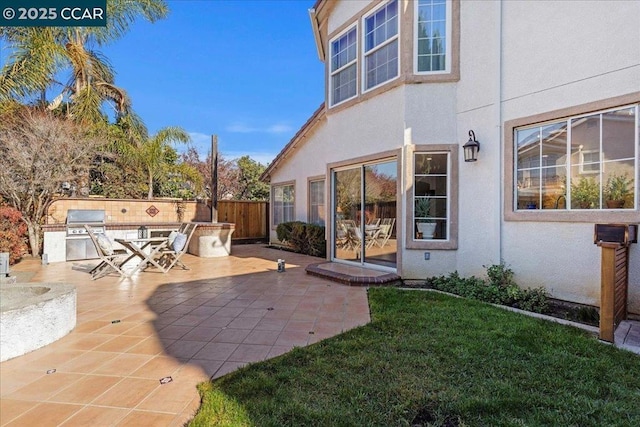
x: 214, y: 178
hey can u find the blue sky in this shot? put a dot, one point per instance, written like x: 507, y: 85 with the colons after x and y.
x: 246, y: 70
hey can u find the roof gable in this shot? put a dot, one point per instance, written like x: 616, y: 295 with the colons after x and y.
x: 295, y: 142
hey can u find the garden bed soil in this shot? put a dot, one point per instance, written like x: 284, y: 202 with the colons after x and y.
x: 580, y: 313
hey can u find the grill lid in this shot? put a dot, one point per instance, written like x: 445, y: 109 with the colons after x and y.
x: 85, y: 216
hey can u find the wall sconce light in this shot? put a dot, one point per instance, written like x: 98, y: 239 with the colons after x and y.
x: 471, y: 148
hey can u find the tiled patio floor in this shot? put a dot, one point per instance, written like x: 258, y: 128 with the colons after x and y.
x: 627, y: 335
x: 188, y: 325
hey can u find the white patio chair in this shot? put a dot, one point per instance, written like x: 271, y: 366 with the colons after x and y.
x: 385, y: 232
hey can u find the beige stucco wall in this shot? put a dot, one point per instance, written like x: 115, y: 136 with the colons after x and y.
x: 550, y: 45
x: 367, y: 128
x: 517, y: 59
x: 344, y: 11
x: 585, y: 52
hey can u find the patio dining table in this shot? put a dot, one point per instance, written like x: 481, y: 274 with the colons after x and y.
x: 144, y: 248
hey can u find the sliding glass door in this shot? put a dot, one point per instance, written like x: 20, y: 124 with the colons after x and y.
x: 347, y: 205
x: 364, y: 214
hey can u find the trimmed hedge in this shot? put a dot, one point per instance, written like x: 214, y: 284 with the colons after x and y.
x: 303, y: 238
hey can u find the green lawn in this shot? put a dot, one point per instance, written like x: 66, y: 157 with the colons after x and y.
x: 430, y: 359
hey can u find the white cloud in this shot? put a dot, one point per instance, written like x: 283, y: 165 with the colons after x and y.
x: 279, y: 128
x: 240, y: 128
x: 260, y: 157
x: 276, y: 128
x: 200, y: 139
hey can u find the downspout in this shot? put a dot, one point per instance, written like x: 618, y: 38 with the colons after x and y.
x: 501, y: 132
x: 315, y: 26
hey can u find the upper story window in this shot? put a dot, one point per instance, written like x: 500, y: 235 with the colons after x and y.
x: 381, y: 45
x: 581, y: 162
x: 433, y: 25
x: 344, y: 54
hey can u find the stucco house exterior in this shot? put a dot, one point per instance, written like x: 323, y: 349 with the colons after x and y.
x: 549, y: 90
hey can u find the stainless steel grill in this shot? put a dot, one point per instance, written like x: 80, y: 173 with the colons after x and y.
x: 79, y: 244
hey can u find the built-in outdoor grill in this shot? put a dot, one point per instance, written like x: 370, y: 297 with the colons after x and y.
x: 79, y: 244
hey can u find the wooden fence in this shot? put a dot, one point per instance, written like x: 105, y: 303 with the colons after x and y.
x: 251, y: 218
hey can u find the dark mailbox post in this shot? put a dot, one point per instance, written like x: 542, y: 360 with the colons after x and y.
x: 616, y: 233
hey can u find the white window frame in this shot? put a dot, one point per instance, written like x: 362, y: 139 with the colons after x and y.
x: 366, y: 54
x: 448, y: 40
x: 322, y: 182
x: 588, y: 170
x: 569, y: 165
x: 274, y: 189
x: 448, y: 196
x: 332, y: 72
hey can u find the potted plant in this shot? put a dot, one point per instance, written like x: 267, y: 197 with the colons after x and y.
x: 618, y: 188
x: 585, y: 193
x: 424, y: 221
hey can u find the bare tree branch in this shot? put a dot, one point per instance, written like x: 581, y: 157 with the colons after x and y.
x: 39, y: 152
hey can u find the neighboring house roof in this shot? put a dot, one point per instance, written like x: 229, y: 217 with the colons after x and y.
x: 295, y: 142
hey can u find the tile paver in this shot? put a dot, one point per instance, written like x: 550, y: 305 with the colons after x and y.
x: 627, y: 335
x: 191, y: 325
x: 188, y: 324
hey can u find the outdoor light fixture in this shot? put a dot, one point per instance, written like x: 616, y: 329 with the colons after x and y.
x: 471, y: 148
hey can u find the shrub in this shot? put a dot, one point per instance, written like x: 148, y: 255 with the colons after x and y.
x: 298, y: 237
x: 500, y: 275
x: 533, y: 299
x: 500, y: 288
x: 13, y: 232
x: 316, y: 241
x: 303, y: 238
x: 283, y: 230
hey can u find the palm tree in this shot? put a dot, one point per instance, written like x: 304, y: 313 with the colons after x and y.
x: 39, y: 54
x: 154, y: 155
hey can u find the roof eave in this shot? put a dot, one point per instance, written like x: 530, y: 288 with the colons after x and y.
x: 315, y: 26
x: 293, y: 143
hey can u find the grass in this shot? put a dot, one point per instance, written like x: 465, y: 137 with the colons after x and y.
x: 430, y: 359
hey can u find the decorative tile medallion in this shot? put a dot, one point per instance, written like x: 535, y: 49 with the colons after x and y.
x: 152, y: 211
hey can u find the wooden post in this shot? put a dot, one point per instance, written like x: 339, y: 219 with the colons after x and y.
x: 214, y: 178
x: 607, y: 290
